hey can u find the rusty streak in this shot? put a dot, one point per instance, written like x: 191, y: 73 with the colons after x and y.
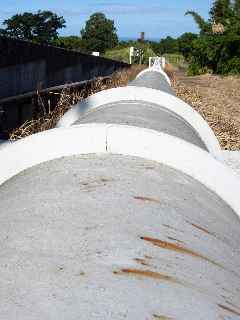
x: 233, y: 305
x: 142, y: 262
x: 146, y: 199
x: 200, y: 228
x: 148, y: 274
x: 170, y: 238
x: 170, y: 227
x: 177, y: 248
x: 148, y: 257
x: 160, y: 317
x: 149, y: 168
x: 229, y: 309
x: 93, y: 184
x: 105, y: 180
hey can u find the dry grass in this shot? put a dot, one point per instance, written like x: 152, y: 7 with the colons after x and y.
x: 217, y: 99
x: 47, y: 119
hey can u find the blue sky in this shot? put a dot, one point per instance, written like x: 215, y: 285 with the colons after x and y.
x: 158, y: 18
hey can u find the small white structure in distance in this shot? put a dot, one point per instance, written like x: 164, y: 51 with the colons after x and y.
x: 161, y: 60
x: 131, y: 52
x: 135, y: 52
x: 96, y: 53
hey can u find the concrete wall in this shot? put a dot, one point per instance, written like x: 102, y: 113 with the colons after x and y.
x: 24, y: 66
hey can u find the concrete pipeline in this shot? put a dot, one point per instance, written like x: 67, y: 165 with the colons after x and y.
x: 125, y: 211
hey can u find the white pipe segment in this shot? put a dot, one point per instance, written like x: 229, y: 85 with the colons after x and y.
x: 151, y: 96
x: 155, y: 69
x: 125, y: 140
x: 122, y: 212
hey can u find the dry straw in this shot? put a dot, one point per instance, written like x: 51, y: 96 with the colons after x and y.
x: 48, y: 116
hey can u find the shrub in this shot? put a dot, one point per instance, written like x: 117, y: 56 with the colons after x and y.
x: 218, y: 46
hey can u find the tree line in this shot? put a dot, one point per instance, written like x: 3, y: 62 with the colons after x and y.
x: 216, y: 48
x: 43, y: 27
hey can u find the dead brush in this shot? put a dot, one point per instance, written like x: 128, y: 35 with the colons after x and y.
x: 225, y: 127
x: 48, y: 116
x: 170, y: 71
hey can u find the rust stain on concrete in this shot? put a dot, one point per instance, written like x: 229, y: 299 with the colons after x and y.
x: 233, y: 305
x: 201, y: 228
x: 161, y: 317
x: 146, y: 274
x: 148, y: 257
x: 235, y: 312
x: 92, y: 185
x: 177, y: 248
x: 142, y: 262
x: 170, y: 227
x: 146, y: 199
x: 173, y: 239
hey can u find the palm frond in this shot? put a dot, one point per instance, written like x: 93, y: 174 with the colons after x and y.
x: 202, y: 24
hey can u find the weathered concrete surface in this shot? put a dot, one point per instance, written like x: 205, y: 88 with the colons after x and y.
x: 113, y: 237
x: 232, y: 159
x: 144, y: 115
x: 153, y: 80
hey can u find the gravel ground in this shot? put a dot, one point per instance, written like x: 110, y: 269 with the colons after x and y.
x: 217, y: 99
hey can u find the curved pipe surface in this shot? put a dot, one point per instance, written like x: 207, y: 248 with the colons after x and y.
x: 125, y: 140
x: 105, y: 229
x: 155, y: 69
x: 150, y: 96
x: 154, y: 80
x: 109, y: 221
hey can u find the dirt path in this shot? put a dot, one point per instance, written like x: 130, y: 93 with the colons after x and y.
x: 217, y: 99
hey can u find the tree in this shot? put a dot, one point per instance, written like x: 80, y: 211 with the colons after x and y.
x: 237, y: 8
x: 203, y: 25
x: 185, y: 44
x: 221, y: 11
x: 70, y: 42
x: 166, y: 45
x: 40, y: 27
x: 217, y: 48
x: 99, y: 33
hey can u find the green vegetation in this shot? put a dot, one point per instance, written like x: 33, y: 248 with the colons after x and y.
x: 121, y: 52
x: 176, y: 51
x: 217, y: 48
x: 177, y: 60
x: 167, y: 45
x: 70, y: 42
x: 99, y: 33
x: 40, y: 27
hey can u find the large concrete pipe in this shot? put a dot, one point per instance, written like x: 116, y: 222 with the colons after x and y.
x: 109, y: 221
x: 153, y: 107
x: 153, y: 79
